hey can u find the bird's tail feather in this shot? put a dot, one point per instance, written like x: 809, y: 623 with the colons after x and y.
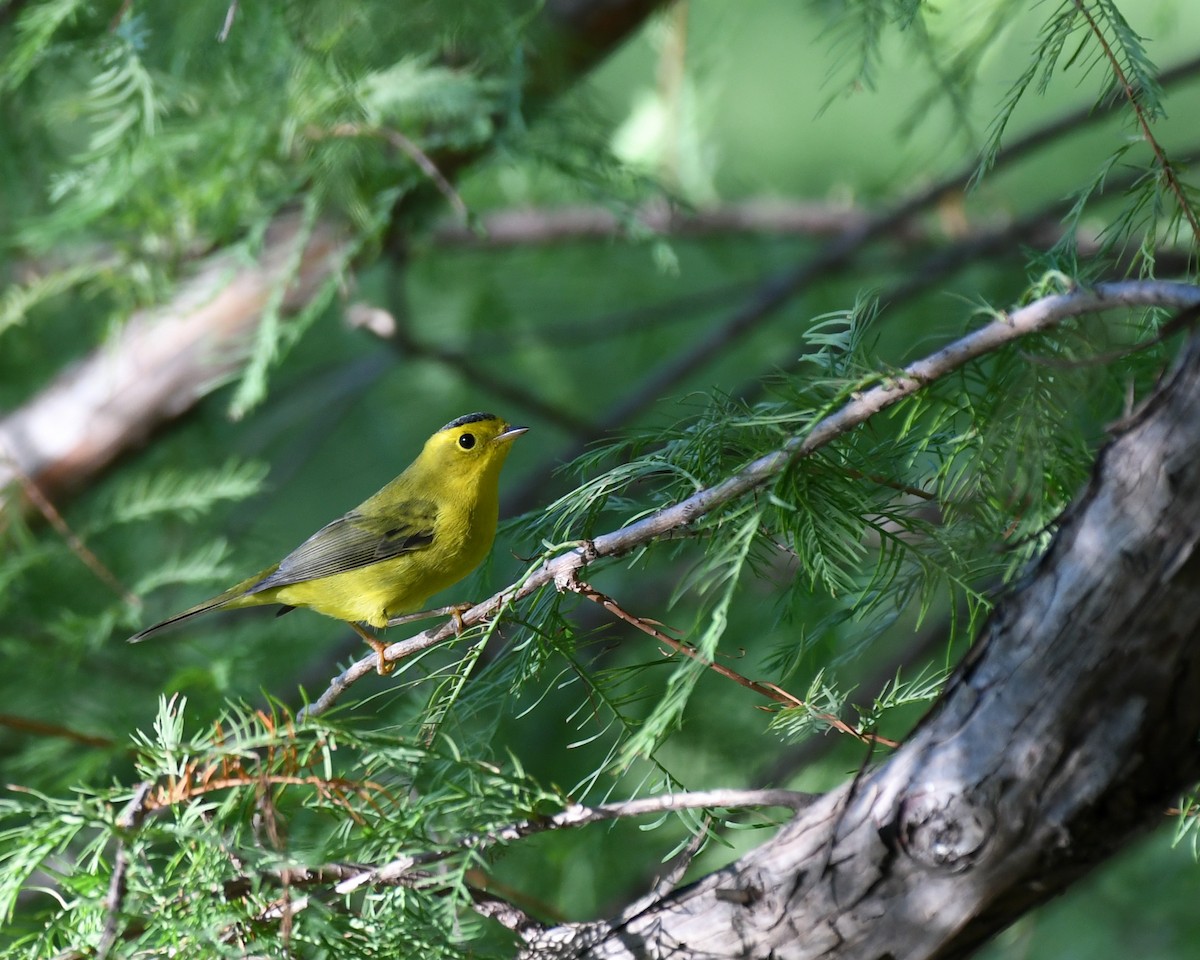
x: 233, y: 597
x: 211, y: 604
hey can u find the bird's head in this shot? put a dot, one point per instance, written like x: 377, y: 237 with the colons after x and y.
x: 471, y: 446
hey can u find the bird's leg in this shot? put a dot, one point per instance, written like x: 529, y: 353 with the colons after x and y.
x: 454, y: 610
x: 384, y: 667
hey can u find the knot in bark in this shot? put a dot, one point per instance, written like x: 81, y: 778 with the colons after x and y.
x: 942, y: 828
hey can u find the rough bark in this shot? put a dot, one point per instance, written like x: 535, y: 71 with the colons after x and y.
x: 1064, y: 735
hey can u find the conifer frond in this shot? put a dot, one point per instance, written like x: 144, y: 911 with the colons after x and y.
x: 206, y: 564
x: 451, y: 107
x: 19, y: 299
x: 721, y: 575
x: 821, y: 700
x: 921, y: 689
x: 1057, y: 29
x: 35, y: 28
x: 188, y: 495
x: 274, y: 335
x: 1187, y: 826
x: 855, y: 30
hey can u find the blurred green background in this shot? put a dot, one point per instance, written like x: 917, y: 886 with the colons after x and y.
x: 762, y: 106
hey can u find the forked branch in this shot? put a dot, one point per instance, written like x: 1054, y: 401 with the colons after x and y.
x: 1037, y: 316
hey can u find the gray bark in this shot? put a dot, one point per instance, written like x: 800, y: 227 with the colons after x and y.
x: 1063, y: 736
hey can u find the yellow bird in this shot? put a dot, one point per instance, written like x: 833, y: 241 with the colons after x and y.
x: 423, y: 532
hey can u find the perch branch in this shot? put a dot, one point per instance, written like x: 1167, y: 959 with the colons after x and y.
x: 1040, y: 315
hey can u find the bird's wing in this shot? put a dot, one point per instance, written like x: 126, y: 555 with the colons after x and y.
x: 356, y: 540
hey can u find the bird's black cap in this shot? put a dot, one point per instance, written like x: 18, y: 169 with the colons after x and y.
x: 469, y: 418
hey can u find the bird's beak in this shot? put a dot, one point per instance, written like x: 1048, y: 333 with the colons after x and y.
x: 511, y: 434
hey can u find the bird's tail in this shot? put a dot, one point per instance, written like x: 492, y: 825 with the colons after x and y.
x: 235, y: 596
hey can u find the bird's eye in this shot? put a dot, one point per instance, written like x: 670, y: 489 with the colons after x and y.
x: 467, y: 441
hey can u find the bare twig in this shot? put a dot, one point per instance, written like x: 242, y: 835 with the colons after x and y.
x: 538, y: 226
x: 578, y: 815
x: 227, y: 25
x: 401, y: 871
x: 43, y: 729
x: 406, y: 146
x: 769, y: 690
x: 128, y: 822
x: 1034, y: 317
x: 34, y: 494
x: 481, y: 376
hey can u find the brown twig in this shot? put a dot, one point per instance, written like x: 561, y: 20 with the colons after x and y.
x: 769, y: 690
x: 35, y: 495
x: 405, y: 146
x: 1143, y: 121
x: 1034, y: 317
x: 43, y: 729
x: 481, y: 375
x: 127, y: 823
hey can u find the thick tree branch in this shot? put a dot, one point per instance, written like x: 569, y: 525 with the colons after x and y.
x: 163, y: 361
x: 1063, y: 735
x: 561, y: 569
x: 160, y: 362
x: 578, y: 815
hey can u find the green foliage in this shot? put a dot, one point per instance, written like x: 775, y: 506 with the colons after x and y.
x: 161, y: 145
x: 188, y: 495
x: 1098, y: 39
x: 282, y: 795
x: 138, y: 150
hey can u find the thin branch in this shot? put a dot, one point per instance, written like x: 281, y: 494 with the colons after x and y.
x: 35, y: 495
x: 1181, y: 321
x: 43, y: 729
x: 227, y: 25
x: 1037, y: 316
x: 578, y: 815
x: 1143, y: 121
x: 837, y: 256
x: 348, y: 877
x: 481, y: 376
x: 1040, y: 229
x: 128, y: 822
x: 406, y: 146
x: 769, y: 690
x: 533, y: 226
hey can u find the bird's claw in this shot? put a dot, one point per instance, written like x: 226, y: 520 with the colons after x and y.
x: 384, y: 666
x: 456, y: 611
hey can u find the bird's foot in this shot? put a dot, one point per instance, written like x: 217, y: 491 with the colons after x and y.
x: 384, y: 666
x: 457, y: 610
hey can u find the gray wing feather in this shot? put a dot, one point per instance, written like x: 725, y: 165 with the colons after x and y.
x: 354, y: 541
